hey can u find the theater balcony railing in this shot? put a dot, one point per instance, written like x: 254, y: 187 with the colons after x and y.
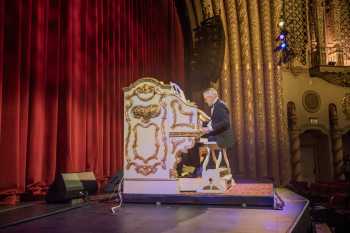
x: 331, y: 64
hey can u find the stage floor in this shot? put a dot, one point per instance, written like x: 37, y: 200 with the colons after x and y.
x: 249, y: 194
x: 151, y: 218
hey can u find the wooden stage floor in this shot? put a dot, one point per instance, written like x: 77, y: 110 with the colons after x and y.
x: 248, y: 194
x: 151, y: 218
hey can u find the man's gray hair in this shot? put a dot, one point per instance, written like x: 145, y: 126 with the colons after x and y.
x: 210, y: 91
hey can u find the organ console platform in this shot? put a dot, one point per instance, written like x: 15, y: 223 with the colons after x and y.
x: 159, y: 125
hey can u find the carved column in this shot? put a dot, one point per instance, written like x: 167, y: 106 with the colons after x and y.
x: 270, y: 14
x: 278, y: 125
x: 217, y: 4
x: 207, y: 9
x: 294, y: 142
x: 248, y: 86
x: 259, y: 85
x: 191, y: 14
x: 225, y: 83
x: 337, y: 144
x: 236, y: 81
x: 320, y: 31
x: 337, y: 31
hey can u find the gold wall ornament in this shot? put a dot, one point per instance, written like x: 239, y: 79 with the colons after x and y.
x: 146, y: 112
x: 146, y: 158
x: 175, y: 123
x: 311, y: 101
x: 296, y: 24
x: 345, y: 104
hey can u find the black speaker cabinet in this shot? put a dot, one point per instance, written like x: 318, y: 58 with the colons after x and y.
x: 68, y: 186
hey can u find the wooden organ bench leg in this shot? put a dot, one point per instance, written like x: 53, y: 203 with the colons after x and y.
x: 212, y: 152
x: 226, y: 160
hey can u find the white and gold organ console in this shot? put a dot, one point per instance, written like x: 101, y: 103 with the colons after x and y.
x: 159, y: 125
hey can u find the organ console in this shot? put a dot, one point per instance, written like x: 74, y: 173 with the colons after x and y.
x: 159, y: 125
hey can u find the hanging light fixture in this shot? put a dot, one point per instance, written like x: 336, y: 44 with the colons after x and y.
x: 285, y: 52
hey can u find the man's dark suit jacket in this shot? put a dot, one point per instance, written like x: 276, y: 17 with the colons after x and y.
x: 220, y: 122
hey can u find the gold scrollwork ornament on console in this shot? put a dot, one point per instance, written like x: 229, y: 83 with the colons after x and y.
x: 145, y: 113
x: 145, y: 92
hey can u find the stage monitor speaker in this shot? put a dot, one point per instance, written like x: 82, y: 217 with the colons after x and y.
x: 68, y: 186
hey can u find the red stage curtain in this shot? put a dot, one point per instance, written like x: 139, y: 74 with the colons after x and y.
x: 63, y: 64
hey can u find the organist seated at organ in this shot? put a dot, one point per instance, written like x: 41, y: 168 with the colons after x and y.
x: 218, y: 130
x: 163, y: 135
